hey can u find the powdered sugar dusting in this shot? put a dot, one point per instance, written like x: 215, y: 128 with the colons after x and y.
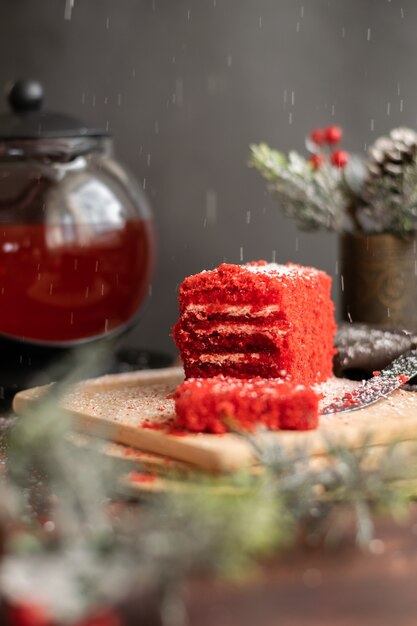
x: 281, y: 270
x: 142, y: 405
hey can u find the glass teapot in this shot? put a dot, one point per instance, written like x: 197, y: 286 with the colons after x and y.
x: 76, y: 234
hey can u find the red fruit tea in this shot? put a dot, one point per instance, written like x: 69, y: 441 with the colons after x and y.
x: 60, y: 283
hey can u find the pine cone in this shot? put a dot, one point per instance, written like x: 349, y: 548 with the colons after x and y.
x: 389, y: 155
x: 389, y: 190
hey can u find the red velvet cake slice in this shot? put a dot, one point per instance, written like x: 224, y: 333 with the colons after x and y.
x: 203, y: 404
x: 258, y: 319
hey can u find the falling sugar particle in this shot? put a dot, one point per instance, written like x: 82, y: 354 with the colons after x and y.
x: 148, y: 159
x: 260, y: 21
x: 401, y: 105
x: 188, y: 15
x: 83, y: 98
x: 96, y: 266
x: 342, y: 282
x: 349, y: 317
x: 102, y: 289
x: 87, y: 292
x: 368, y: 36
x: 156, y: 128
x: 150, y: 290
x: 106, y: 325
x: 336, y: 269
x: 119, y: 99
x: 107, y: 23
x: 292, y: 98
x: 290, y: 118
x: 274, y: 256
x: 402, y: 12
x: 229, y: 60
x: 69, y: 5
x: 388, y: 312
x: 388, y: 108
x: 248, y: 217
x: 343, y: 32
x: 302, y: 12
x: 211, y: 207
x: 241, y: 254
x: 372, y: 125
x: 144, y: 183
x: 297, y: 29
x: 72, y: 318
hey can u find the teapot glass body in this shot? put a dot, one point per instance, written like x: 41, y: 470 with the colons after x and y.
x: 76, y: 241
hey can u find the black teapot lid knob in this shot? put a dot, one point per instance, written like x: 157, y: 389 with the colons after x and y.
x: 27, y: 118
x: 26, y: 96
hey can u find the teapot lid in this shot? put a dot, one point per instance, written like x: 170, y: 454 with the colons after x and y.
x: 27, y: 120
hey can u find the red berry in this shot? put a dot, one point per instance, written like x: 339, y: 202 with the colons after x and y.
x: 318, y: 136
x: 333, y: 134
x: 339, y: 158
x: 316, y: 161
x: 28, y: 615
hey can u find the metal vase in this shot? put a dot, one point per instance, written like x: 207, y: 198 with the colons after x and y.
x: 378, y: 280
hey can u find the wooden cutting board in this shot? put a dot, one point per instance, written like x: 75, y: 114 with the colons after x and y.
x: 124, y: 408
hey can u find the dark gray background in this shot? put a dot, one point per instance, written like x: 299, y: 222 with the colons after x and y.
x: 187, y: 85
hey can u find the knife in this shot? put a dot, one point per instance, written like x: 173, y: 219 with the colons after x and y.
x: 385, y: 382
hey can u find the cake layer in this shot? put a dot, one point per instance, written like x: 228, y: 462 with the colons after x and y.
x: 257, y: 284
x: 238, y: 364
x: 216, y: 404
x: 229, y: 337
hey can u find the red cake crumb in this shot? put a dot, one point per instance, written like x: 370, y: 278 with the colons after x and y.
x: 257, y: 320
x: 205, y: 404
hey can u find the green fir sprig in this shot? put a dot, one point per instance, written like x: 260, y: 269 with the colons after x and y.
x: 315, y: 197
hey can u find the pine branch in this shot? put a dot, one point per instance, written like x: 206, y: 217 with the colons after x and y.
x: 316, y: 199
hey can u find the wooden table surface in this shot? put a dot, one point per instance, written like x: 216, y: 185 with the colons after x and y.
x: 309, y: 587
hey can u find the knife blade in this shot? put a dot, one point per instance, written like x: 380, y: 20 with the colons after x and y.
x: 385, y: 382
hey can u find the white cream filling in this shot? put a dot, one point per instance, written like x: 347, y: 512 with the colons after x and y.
x: 233, y: 310
x: 237, y: 357
x: 240, y: 329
